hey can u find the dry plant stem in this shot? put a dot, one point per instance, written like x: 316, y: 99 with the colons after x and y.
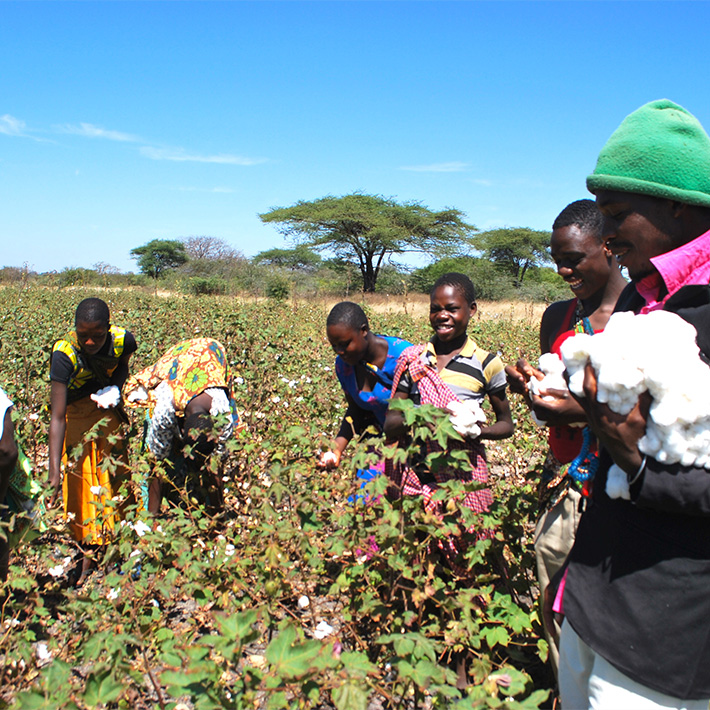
x: 288, y: 611
x: 358, y: 639
x: 153, y: 681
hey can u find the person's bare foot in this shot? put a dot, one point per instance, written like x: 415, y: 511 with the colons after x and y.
x: 88, y: 565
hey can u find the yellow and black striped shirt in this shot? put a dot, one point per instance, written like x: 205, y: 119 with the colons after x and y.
x: 472, y: 374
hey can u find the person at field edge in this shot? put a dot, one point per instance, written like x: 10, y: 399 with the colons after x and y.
x: 364, y: 365
x: 19, y: 492
x: 449, y: 371
x: 634, y: 592
x: 192, y: 415
x: 585, y: 263
x: 8, y: 461
x: 88, y: 368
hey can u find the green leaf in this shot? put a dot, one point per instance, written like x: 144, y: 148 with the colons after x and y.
x: 238, y: 626
x: 543, y: 649
x: 289, y: 657
x: 350, y: 697
x: 496, y: 636
x: 510, y: 681
x: 357, y: 664
x: 102, y: 688
x: 309, y: 521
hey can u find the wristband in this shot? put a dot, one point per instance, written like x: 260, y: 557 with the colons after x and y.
x: 639, y: 472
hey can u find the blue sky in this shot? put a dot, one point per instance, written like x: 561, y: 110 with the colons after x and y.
x: 122, y: 122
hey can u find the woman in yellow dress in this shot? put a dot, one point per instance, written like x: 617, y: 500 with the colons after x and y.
x: 89, y: 367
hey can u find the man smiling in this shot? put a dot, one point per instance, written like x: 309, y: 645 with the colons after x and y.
x: 635, y: 593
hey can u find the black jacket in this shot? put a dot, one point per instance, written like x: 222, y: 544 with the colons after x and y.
x: 638, y: 581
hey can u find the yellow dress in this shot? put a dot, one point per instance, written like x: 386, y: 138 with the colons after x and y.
x: 94, y: 471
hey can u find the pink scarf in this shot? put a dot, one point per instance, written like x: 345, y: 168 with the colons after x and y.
x: 434, y: 390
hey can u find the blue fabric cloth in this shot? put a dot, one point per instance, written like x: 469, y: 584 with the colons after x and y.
x: 377, y: 400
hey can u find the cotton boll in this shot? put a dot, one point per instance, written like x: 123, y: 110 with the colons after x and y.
x: 688, y: 458
x: 553, y: 369
x: 575, y: 355
x: 617, y: 483
x: 466, y: 417
x: 576, y: 383
x: 550, y: 364
x: 575, y: 351
x: 107, y: 397
x: 651, y: 442
x: 656, y: 352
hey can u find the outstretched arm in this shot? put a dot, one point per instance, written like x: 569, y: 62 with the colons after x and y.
x: 352, y: 423
x: 8, y: 452
x: 57, y: 430
x: 120, y: 374
x: 503, y: 427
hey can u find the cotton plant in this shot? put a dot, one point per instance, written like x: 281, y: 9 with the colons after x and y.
x: 655, y: 352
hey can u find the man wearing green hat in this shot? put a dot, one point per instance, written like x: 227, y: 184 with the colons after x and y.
x: 636, y: 590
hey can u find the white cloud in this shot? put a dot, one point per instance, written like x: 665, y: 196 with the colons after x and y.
x: 179, y: 155
x: 11, y: 126
x: 89, y: 130
x: 205, y: 189
x: 453, y: 167
x: 482, y: 181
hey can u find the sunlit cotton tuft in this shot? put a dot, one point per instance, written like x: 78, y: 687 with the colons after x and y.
x: 657, y: 352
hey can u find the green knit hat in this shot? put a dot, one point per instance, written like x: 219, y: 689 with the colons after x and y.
x: 659, y: 150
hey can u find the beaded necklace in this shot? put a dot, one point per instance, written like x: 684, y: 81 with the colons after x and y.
x: 586, y: 463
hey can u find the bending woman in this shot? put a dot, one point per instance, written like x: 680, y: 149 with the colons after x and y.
x: 365, y: 366
x: 88, y: 368
x: 191, y: 404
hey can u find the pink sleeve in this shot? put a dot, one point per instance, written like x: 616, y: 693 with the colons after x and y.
x: 557, y: 605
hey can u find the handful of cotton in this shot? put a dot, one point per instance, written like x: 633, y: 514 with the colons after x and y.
x: 554, y: 369
x: 107, y: 397
x: 466, y: 417
x: 655, y: 352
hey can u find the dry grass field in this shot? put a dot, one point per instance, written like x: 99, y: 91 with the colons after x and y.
x: 417, y: 306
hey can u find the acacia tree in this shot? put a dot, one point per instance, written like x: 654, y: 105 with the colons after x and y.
x: 159, y: 255
x: 515, y: 249
x: 300, y: 258
x: 367, y: 228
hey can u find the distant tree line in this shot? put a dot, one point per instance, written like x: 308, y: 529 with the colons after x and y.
x: 340, y: 246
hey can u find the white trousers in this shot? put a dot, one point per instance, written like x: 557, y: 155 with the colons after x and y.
x: 589, y: 682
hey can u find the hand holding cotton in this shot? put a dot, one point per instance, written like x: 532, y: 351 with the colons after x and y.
x: 655, y: 352
x: 553, y: 368
x: 107, y: 397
